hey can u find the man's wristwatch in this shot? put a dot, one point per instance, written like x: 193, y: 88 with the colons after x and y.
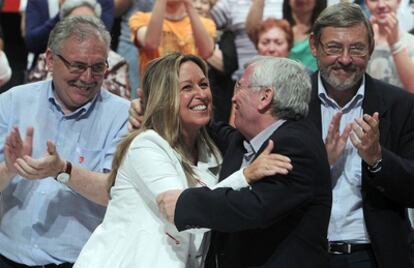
x: 376, y: 167
x: 64, y: 176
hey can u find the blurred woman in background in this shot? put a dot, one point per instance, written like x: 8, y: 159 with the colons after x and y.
x: 301, y: 14
x: 274, y: 37
x: 393, y: 57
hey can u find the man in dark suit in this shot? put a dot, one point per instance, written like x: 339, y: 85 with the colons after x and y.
x: 368, y: 128
x: 281, y: 220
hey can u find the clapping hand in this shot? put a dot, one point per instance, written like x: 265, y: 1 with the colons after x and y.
x: 15, y: 148
x: 387, y: 27
x: 365, y: 137
x: 49, y: 165
x: 335, y: 142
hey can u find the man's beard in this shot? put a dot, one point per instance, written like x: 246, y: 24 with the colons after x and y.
x: 340, y: 84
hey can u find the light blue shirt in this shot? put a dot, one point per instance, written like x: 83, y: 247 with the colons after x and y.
x: 347, y: 220
x: 44, y: 221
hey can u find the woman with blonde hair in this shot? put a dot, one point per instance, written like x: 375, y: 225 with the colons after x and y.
x: 171, y: 150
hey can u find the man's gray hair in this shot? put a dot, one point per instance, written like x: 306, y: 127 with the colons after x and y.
x: 70, y: 5
x: 342, y: 15
x: 289, y: 81
x: 80, y: 27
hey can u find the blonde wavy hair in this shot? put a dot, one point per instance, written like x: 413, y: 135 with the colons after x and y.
x: 160, y: 86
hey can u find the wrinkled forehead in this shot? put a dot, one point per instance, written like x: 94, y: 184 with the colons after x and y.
x: 345, y: 35
x: 93, y: 40
x: 91, y: 48
x: 84, y: 34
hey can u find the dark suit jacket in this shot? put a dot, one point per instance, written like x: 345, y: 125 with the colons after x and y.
x: 282, y: 220
x: 386, y: 195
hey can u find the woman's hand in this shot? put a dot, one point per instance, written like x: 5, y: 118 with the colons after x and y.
x: 267, y: 164
x: 387, y: 28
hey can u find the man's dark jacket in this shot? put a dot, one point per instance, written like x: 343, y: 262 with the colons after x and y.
x: 282, y: 220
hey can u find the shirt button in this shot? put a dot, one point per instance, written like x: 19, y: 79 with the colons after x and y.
x: 35, y: 246
x: 42, y: 192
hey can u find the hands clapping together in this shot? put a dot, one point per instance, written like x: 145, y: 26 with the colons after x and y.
x: 364, y: 135
x: 19, y: 160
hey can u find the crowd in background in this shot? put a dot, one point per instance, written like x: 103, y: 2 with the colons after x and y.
x: 235, y: 41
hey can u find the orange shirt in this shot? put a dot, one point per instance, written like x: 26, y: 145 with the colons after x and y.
x: 175, y: 36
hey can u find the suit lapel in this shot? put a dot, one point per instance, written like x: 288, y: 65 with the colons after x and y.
x: 233, y: 157
x: 315, y: 104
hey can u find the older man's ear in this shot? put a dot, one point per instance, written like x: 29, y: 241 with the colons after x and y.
x: 266, y: 99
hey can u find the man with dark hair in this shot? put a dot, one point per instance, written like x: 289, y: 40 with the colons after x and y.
x: 368, y: 128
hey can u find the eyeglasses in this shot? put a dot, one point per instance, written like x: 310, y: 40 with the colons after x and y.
x: 239, y: 86
x: 334, y: 49
x: 80, y: 67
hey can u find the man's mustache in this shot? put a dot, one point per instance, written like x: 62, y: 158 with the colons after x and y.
x: 81, y: 84
x: 347, y: 68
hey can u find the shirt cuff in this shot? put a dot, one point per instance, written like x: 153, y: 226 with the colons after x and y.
x: 236, y: 181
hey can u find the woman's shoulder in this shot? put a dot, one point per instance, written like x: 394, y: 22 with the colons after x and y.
x: 149, y: 136
x: 150, y: 139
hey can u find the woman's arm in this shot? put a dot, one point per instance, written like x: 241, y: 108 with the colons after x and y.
x: 254, y: 18
x: 405, y: 68
x: 203, y: 41
x: 216, y: 60
x: 149, y: 37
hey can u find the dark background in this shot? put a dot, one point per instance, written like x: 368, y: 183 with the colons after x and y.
x: 14, y: 48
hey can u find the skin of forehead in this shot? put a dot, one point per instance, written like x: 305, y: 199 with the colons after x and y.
x: 352, y: 34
